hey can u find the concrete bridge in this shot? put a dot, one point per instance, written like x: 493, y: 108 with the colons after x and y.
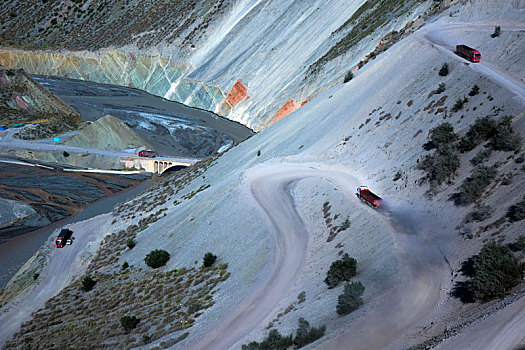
x: 156, y: 165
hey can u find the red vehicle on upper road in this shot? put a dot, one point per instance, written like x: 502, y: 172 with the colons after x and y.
x: 364, y: 194
x: 63, y: 236
x: 469, y: 53
x: 149, y: 154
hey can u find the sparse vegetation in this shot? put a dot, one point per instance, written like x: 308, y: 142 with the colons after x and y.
x: 493, y: 273
x: 443, y: 71
x: 209, y: 259
x: 473, y: 187
x: 157, y: 258
x: 341, y: 270
x: 350, y: 300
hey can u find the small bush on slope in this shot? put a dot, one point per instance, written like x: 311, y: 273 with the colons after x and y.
x: 341, y: 270
x: 350, y: 300
x: 500, y: 133
x: 348, y: 76
x: 472, y: 187
x: 304, y: 335
x: 88, y: 283
x: 209, y: 259
x: 442, y: 135
x: 481, y: 213
x: 131, y: 243
x: 493, y: 272
x: 440, y: 166
x: 517, y: 211
x: 157, y: 258
x: 129, y: 322
x: 443, y: 71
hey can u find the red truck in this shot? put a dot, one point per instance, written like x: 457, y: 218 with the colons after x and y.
x: 149, y: 154
x: 469, y: 53
x: 368, y: 197
x: 63, y: 236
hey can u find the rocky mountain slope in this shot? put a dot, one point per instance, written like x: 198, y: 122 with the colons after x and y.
x: 244, y: 59
x: 280, y: 208
x: 23, y: 100
x: 107, y: 132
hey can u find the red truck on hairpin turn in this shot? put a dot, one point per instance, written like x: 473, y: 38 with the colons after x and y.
x: 367, y: 196
x: 469, y: 53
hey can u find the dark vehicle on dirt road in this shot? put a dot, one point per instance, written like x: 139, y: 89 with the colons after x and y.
x: 469, y: 53
x: 364, y: 194
x: 63, y: 237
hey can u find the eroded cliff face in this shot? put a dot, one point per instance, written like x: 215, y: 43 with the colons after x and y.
x: 24, y: 99
x: 207, y: 53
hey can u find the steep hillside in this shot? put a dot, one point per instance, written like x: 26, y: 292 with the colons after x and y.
x: 107, y: 132
x: 280, y: 208
x: 243, y: 59
x: 23, y: 100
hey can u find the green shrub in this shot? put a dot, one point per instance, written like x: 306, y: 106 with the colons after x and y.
x: 306, y: 334
x: 481, y: 156
x: 209, y: 259
x: 472, y: 187
x: 348, y: 76
x: 129, y: 322
x: 274, y: 340
x: 350, y: 300
x: 341, y: 270
x: 494, y: 272
x: 500, y: 133
x: 443, y: 71
x: 88, y: 283
x: 518, y: 245
x: 517, y: 211
x: 125, y: 265
x: 66, y: 154
x: 474, y: 91
x: 131, y: 243
x: 157, y: 258
x: 442, y: 134
x: 458, y: 105
x: 505, y: 139
x: 440, y: 166
x: 441, y: 88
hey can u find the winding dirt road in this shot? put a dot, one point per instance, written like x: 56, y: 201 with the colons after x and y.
x: 63, y: 266
x: 408, y: 302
